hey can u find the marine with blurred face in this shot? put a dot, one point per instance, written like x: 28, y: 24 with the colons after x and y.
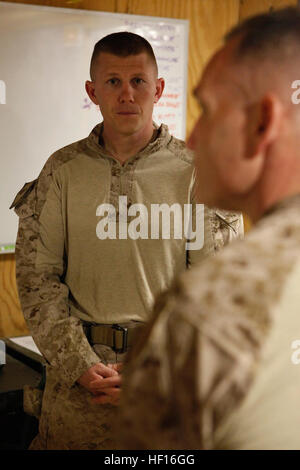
x: 215, y: 369
x: 84, y: 284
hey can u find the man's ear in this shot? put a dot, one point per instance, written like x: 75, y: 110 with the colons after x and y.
x: 90, y: 89
x: 160, y: 85
x: 265, y: 124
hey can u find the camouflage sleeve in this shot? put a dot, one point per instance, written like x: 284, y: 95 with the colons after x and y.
x: 42, y: 292
x: 219, y: 228
x: 214, y: 227
x: 184, y: 376
x: 226, y: 226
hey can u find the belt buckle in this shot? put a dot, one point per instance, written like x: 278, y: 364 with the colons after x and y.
x: 124, y: 338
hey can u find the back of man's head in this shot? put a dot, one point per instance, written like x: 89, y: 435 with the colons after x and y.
x: 247, y: 141
x: 267, y: 46
x: 266, y: 49
x: 274, y: 35
x: 122, y: 44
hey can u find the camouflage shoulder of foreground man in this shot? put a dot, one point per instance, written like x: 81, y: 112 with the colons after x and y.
x: 220, y: 313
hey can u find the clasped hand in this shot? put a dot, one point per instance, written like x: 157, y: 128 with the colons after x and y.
x: 104, y: 382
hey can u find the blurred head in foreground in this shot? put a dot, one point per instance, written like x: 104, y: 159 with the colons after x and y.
x: 247, y: 139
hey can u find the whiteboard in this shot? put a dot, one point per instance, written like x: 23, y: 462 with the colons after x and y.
x: 45, y: 56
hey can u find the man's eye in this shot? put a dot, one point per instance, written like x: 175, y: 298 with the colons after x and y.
x: 138, y: 80
x: 113, y: 81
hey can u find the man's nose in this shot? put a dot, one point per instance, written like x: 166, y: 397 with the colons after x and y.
x: 126, y: 93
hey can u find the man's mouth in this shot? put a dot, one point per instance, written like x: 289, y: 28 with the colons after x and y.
x: 126, y: 113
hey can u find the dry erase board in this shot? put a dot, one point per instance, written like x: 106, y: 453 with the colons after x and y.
x: 44, y: 62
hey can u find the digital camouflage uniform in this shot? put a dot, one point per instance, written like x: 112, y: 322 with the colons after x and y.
x: 213, y: 369
x: 67, y: 275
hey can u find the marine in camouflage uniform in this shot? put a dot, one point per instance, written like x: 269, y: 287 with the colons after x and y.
x: 214, y: 369
x: 68, y: 277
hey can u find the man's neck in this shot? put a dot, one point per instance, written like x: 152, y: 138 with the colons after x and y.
x: 260, y: 201
x: 279, y: 181
x: 267, y: 203
x: 123, y: 147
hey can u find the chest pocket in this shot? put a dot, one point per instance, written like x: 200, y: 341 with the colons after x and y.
x: 24, y: 202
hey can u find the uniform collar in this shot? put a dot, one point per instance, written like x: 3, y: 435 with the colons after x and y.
x: 162, y: 139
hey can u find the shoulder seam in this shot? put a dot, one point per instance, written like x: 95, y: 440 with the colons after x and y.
x: 180, y: 150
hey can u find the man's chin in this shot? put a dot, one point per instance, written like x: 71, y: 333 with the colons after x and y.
x: 128, y: 129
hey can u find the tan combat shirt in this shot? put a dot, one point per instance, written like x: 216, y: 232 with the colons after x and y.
x: 215, y: 368
x: 66, y: 273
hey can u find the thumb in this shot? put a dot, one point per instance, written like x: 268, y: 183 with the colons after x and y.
x: 117, y: 366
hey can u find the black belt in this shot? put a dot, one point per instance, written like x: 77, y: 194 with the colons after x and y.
x: 118, y: 337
